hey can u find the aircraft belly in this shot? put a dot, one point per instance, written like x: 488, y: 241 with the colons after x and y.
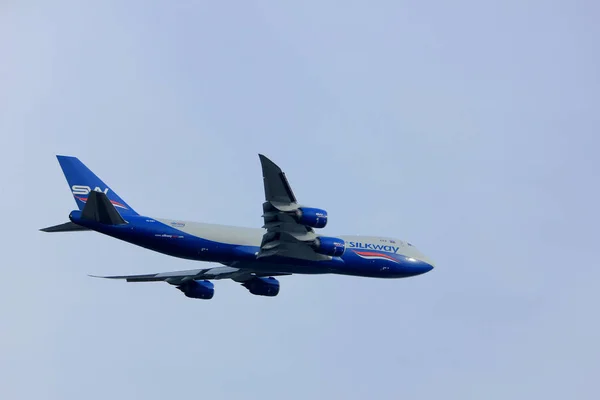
x: 283, y: 267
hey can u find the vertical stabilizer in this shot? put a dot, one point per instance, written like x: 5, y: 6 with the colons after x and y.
x: 82, y: 181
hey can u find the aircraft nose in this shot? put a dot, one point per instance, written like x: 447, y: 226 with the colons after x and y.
x: 427, y: 263
x: 420, y: 266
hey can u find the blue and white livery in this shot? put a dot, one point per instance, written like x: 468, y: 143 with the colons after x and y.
x: 287, y: 243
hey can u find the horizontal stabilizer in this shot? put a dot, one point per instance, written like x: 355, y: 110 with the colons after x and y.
x: 66, y: 227
x: 100, y: 209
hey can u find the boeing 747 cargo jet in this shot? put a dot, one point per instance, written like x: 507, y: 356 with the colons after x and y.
x: 287, y: 243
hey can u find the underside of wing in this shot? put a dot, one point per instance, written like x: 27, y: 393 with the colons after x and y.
x: 179, y: 277
x: 290, y: 226
x: 286, y: 244
x: 196, y: 283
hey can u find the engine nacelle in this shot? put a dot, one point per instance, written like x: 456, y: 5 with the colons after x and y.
x: 329, y: 246
x: 313, y: 217
x: 198, y: 289
x: 263, y: 286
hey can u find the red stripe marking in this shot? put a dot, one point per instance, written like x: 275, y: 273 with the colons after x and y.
x: 374, y: 254
x: 116, y: 203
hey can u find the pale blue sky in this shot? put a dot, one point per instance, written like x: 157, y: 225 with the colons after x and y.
x: 468, y: 128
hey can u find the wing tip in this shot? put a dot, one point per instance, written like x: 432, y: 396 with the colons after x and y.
x: 264, y: 159
x: 106, y: 277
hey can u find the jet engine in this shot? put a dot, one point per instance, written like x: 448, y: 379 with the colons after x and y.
x: 313, y: 217
x: 198, y: 289
x: 329, y: 246
x: 263, y: 286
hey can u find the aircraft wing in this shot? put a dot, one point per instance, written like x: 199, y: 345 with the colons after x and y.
x: 285, y: 237
x: 179, y: 277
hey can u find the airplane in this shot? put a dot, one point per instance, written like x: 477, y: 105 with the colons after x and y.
x: 287, y: 243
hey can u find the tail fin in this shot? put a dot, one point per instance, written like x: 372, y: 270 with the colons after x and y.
x: 82, y: 181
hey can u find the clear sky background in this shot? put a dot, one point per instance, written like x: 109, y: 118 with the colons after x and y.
x: 469, y: 128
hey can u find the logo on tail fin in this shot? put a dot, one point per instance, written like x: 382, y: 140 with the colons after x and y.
x: 82, y: 190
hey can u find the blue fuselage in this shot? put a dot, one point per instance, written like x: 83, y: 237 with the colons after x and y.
x: 238, y: 247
